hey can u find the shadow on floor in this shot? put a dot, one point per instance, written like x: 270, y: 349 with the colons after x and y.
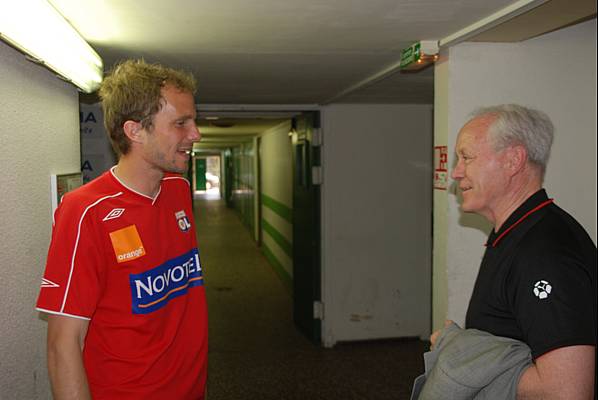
x: 255, y: 352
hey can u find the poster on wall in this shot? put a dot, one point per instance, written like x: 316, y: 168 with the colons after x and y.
x: 97, y: 155
x: 93, y: 165
x: 62, y: 183
x: 440, y: 167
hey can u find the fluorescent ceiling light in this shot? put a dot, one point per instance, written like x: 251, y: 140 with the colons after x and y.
x: 37, y: 29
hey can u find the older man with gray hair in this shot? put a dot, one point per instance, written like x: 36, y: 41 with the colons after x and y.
x: 537, y: 280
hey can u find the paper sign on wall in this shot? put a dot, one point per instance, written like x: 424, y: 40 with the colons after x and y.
x: 62, y: 183
x: 440, y: 167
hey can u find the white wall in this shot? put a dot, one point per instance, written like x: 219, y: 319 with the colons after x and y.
x: 276, y: 179
x: 39, y: 128
x: 555, y: 73
x: 440, y: 199
x: 376, y: 203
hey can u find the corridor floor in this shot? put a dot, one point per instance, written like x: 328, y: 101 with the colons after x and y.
x: 255, y: 351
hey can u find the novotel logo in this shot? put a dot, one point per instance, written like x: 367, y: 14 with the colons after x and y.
x: 153, y: 289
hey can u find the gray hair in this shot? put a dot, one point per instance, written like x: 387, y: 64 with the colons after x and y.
x: 515, y: 124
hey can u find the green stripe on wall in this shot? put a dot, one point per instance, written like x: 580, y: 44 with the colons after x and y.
x: 278, y: 238
x: 279, y: 208
x: 278, y: 268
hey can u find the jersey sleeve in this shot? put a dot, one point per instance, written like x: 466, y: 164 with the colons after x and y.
x: 73, y: 279
x: 553, y: 300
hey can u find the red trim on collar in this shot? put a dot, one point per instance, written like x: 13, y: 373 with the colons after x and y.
x: 520, y: 220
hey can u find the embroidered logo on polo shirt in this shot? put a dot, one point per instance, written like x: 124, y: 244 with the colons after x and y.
x: 542, y: 289
x: 127, y: 244
x: 115, y: 213
x: 182, y: 220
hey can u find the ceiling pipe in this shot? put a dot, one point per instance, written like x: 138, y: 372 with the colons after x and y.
x: 248, y: 111
x: 503, y: 15
x: 389, y: 70
x: 482, y: 25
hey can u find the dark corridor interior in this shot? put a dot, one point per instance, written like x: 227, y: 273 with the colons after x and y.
x: 255, y: 351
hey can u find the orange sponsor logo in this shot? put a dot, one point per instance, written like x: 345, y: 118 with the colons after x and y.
x: 127, y: 244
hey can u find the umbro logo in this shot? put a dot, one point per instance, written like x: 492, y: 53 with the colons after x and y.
x: 115, y: 213
x: 46, y: 283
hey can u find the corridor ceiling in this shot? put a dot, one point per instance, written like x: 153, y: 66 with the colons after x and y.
x: 282, y: 51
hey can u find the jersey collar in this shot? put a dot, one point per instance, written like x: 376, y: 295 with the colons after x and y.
x: 152, y: 199
x: 534, y: 203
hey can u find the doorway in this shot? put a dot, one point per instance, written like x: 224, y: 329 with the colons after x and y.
x: 207, y: 176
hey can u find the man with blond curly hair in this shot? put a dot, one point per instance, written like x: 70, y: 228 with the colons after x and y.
x: 123, y: 286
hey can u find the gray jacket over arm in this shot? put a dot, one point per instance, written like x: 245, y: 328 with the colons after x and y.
x: 472, y: 364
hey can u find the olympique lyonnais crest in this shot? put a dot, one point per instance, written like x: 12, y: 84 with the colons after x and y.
x: 182, y: 220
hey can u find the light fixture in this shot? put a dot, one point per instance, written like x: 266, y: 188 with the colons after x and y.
x: 38, y: 30
x: 222, y: 123
x: 419, y: 55
x: 293, y: 129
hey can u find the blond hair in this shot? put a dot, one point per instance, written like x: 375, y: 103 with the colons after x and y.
x: 132, y: 91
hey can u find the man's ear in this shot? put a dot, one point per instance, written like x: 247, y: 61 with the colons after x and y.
x: 516, y: 159
x: 133, y: 130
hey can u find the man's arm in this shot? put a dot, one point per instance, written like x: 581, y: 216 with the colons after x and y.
x: 564, y: 373
x: 65, y: 359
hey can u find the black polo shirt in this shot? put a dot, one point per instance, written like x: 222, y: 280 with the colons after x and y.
x: 537, y: 280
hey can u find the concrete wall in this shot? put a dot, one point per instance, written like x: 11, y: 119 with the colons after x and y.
x: 276, y: 180
x: 555, y: 73
x: 376, y: 211
x: 39, y: 128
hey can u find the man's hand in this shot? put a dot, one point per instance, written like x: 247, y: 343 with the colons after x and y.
x: 65, y: 361
x: 435, y: 335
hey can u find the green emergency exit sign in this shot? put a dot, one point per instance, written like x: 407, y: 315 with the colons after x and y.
x: 410, y: 55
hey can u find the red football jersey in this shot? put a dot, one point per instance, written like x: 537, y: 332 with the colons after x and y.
x: 129, y: 264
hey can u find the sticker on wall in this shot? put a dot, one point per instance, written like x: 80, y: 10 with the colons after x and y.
x: 440, y: 167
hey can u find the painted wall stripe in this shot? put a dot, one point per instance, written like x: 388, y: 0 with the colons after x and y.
x: 278, y: 267
x: 279, y: 223
x: 279, y: 208
x: 278, y: 238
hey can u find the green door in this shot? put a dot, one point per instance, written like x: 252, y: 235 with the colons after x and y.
x: 306, y: 228
x: 228, y: 178
x: 200, y: 174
